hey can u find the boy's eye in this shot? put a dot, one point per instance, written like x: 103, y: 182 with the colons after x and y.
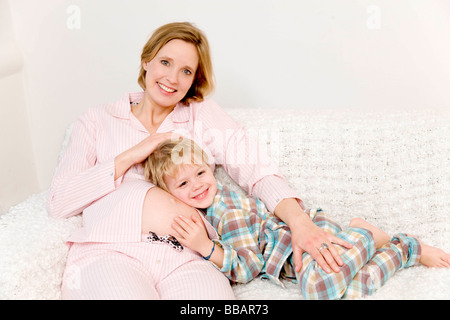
x: 183, y: 184
x: 201, y: 172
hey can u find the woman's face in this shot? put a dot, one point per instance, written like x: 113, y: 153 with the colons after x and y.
x: 171, y: 73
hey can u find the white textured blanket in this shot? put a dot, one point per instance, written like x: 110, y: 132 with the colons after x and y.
x: 393, y: 169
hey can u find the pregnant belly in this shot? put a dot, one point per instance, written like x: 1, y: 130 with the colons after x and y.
x: 159, y: 210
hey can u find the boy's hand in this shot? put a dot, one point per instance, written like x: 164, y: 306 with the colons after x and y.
x: 192, y: 234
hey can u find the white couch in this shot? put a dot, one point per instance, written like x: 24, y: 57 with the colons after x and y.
x: 389, y: 167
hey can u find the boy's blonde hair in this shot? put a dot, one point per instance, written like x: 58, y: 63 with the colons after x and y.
x: 169, y: 156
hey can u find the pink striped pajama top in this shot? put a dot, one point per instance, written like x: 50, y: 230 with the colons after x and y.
x: 112, y: 210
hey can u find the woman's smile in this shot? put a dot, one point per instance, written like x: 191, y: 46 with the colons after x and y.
x: 165, y: 88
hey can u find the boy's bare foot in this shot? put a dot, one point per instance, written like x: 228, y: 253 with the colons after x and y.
x: 430, y: 256
x: 433, y: 257
x: 380, y: 237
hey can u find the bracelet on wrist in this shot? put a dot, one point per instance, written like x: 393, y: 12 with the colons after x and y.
x: 214, y: 246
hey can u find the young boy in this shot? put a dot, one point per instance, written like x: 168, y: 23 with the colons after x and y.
x: 244, y: 250
x: 254, y: 242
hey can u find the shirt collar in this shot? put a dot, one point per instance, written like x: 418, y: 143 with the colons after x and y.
x: 121, y: 108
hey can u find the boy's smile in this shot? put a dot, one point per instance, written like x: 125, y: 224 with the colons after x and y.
x: 194, y: 184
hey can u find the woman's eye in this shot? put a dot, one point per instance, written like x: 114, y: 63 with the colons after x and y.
x: 165, y: 62
x: 187, y: 72
x: 201, y: 172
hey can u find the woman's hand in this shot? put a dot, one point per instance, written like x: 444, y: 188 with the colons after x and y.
x: 192, y: 233
x: 307, y: 237
x: 140, y: 152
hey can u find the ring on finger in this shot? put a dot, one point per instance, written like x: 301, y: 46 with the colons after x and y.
x: 323, y: 246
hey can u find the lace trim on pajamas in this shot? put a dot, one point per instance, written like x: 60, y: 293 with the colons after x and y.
x: 167, y: 239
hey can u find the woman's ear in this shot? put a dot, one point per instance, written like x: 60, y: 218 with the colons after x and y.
x: 144, y: 65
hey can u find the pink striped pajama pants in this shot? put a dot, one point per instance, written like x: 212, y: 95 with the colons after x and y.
x: 140, y: 270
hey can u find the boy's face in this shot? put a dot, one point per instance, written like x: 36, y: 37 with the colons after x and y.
x: 194, y: 184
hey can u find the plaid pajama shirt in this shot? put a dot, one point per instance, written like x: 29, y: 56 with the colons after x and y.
x: 257, y: 243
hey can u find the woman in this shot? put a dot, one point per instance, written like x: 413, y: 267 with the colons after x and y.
x: 100, y: 175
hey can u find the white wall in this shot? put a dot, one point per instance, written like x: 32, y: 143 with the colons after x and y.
x: 17, y: 168
x: 272, y: 53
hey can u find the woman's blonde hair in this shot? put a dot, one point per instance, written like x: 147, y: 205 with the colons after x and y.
x: 169, y: 156
x: 204, y: 79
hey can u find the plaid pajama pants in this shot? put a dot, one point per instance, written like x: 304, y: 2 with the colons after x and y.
x: 365, y: 269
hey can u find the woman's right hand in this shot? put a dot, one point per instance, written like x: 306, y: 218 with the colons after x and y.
x: 140, y: 152
x: 143, y: 149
